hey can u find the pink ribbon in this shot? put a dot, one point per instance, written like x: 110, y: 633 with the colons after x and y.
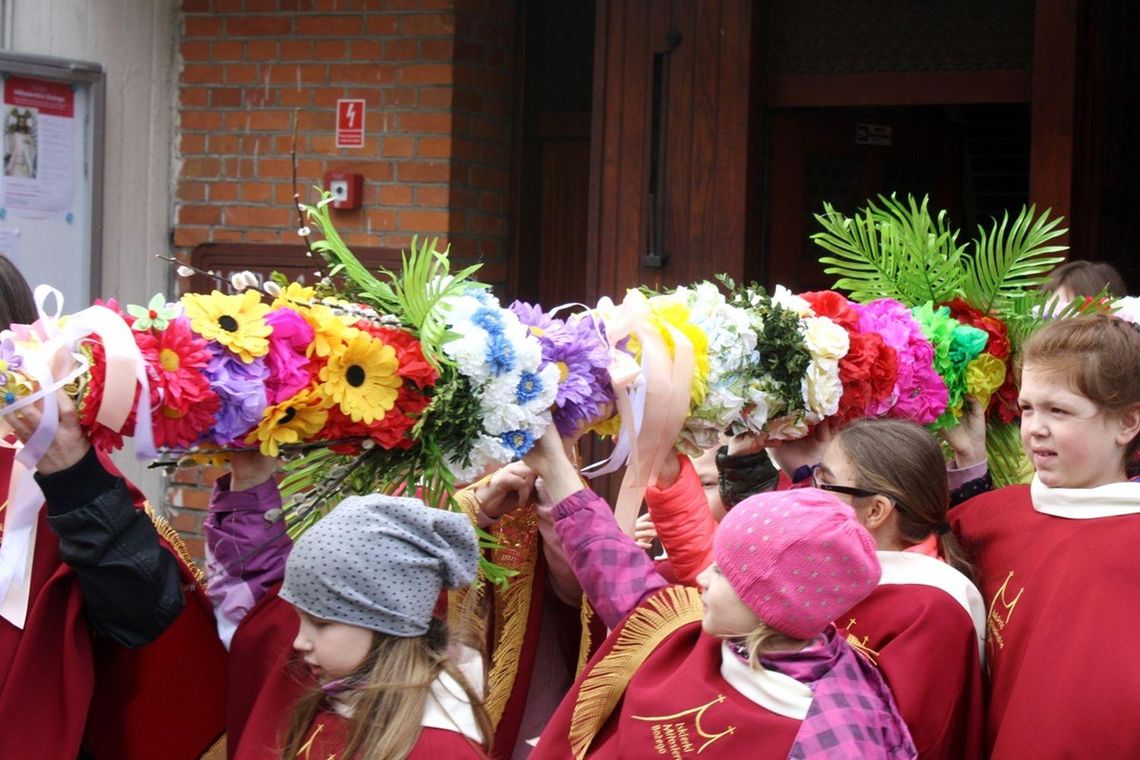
x: 653, y: 410
x: 57, y: 363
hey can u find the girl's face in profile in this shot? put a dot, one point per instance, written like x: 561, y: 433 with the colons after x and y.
x: 725, y: 615
x: 1071, y: 441
x: 331, y: 650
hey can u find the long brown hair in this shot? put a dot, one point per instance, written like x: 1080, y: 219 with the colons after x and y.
x: 388, y: 703
x: 16, y: 302
x: 897, y: 458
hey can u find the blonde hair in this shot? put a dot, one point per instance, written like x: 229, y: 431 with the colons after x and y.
x: 389, y: 694
x: 764, y: 639
x: 1098, y: 355
x: 899, y: 459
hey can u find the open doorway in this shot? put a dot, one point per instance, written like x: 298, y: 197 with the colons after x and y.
x: 972, y: 160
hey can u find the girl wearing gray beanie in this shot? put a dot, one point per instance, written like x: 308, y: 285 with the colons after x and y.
x: 386, y: 684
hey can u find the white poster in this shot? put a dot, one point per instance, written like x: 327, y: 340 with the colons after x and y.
x: 38, y: 145
x: 10, y: 244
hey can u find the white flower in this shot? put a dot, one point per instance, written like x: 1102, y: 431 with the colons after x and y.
x: 545, y: 399
x: 825, y: 339
x: 821, y: 387
x: 501, y: 410
x: 469, y: 351
x: 790, y: 301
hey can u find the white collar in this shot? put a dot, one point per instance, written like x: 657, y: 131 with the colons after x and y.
x: 774, y: 691
x: 448, y: 706
x: 901, y: 568
x: 1111, y: 500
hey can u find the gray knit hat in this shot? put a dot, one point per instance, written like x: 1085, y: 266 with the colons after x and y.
x: 379, y: 562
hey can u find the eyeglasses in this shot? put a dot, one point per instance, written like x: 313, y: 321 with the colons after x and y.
x: 817, y: 482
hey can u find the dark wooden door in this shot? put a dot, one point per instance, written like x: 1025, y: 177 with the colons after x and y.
x: 844, y: 157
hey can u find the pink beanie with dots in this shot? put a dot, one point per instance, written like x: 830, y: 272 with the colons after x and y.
x: 798, y: 558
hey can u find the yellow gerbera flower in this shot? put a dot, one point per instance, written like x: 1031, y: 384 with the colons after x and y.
x: 361, y: 378
x: 294, y: 296
x: 330, y: 330
x: 294, y: 420
x: 237, y: 322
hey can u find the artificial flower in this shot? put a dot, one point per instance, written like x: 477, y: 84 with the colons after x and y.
x: 828, y: 303
x: 919, y: 394
x: 290, y: 368
x: 292, y: 421
x: 361, y: 378
x: 984, y: 375
x: 240, y: 387
x: 157, y: 314
x: 330, y: 329
x: 237, y: 322
x: 295, y: 296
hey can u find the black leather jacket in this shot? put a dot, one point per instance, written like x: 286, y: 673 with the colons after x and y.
x: 130, y: 583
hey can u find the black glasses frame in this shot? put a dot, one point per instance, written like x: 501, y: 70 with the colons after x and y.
x: 851, y: 490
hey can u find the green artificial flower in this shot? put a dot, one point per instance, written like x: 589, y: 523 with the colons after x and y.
x: 157, y: 314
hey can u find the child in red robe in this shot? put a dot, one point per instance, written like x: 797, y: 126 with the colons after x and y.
x: 758, y: 672
x: 384, y: 680
x: 922, y: 626
x: 1057, y: 560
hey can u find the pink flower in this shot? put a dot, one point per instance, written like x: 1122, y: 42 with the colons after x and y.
x: 290, y: 371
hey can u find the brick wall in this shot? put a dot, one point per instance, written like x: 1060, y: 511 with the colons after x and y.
x: 436, y: 76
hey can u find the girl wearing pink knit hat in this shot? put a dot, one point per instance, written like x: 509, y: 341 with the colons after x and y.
x: 749, y: 666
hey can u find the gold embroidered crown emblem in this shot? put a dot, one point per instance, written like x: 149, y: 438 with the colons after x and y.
x: 860, y: 645
x: 698, y: 714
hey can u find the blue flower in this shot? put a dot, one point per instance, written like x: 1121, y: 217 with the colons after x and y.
x: 489, y: 319
x: 500, y: 354
x: 530, y: 387
x: 518, y: 441
x: 9, y: 397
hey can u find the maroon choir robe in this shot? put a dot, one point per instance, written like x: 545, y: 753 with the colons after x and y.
x: 63, y: 688
x: 263, y: 685
x: 1062, y: 597
x: 676, y: 701
x: 923, y: 627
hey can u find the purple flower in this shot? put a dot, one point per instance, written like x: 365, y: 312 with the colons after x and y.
x: 9, y: 355
x: 241, y: 389
x: 536, y: 320
x: 288, y: 367
x: 580, y: 352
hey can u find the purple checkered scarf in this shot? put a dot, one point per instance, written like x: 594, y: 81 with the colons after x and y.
x: 852, y: 713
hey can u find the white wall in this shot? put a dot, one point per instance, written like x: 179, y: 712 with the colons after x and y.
x: 135, y: 42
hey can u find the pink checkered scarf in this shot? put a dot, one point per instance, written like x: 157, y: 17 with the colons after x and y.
x: 852, y: 714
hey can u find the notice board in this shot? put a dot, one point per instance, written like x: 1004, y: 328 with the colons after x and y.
x: 51, y: 181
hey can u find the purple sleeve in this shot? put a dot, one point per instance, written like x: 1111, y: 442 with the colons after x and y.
x: 959, y: 477
x: 245, y: 552
x: 615, y: 574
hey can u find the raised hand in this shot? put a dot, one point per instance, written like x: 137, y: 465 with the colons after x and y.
x: 70, y: 443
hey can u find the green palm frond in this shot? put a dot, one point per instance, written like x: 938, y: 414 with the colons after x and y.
x: 1008, y: 463
x: 894, y: 250
x: 418, y: 290
x: 361, y: 283
x: 1011, y: 260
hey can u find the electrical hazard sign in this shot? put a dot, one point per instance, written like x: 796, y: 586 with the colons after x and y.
x: 350, y: 123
